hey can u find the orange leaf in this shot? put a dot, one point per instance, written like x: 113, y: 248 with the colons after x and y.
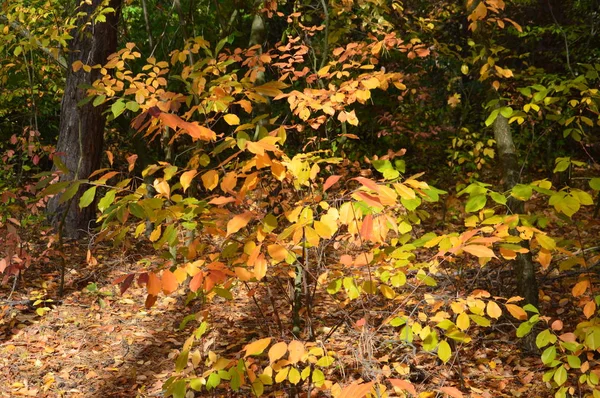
x: 256, y: 347
x: 277, y: 351
x: 229, y: 181
x: 330, y: 181
x: 516, y: 311
x: 356, y: 390
x: 153, y: 284
x: 210, y: 179
x: 404, y: 385
x: 221, y: 200
x: 260, y: 267
x: 372, y: 185
x: 580, y: 287
x: 243, y: 274
x: 198, y: 132
x: 296, y: 349
x: 238, y: 222
x: 589, y: 309
x: 493, y: 310
x: 366, y: 230
x: 186, y: 179
x: 196, y: 281
x: 479, y: 251
x: 452, y: 391
x: 169, y: 282
x: 277, y: 252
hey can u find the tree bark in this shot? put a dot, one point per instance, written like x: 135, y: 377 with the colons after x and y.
x: 81, y: 133
x: 524, y: 268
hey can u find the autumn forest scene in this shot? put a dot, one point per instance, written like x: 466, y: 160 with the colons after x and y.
x: 300, y: 198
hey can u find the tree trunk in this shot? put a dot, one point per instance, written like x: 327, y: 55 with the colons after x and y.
x: 81, y: 133
x: 523, y: 266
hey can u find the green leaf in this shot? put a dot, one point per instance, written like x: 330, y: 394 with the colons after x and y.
x: 213, y: 381
x: 98, y: 100
x: 444, y: 351
x: 549, y: 355
x: 492, y: 117
x: 560, y: 376
x: 524, y: 329
x: 196, y: 384
x: 542, y: 339
x: 475, y: 203
x: 592, y: 338
x: 87, y: 198
x: 498, y: 198
x: 70, y: 191
x: 258, y: 388
x: 522, y: 191
x: 55, y: 188
x: 133, y: 106
x: 595, y: 183
x: 107, y: 200
x: 318, y: 378
x: 182, y: 361
x: 574, y: 361
x: 118, y: 108
x: 530, y: 308
x: 137, y: 210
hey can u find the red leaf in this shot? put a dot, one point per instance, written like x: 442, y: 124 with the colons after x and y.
x: 126, y: 283
x: 372, y: 185
x: 330, y: 181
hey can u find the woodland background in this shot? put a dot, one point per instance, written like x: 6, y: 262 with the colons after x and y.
x: 339, y: 198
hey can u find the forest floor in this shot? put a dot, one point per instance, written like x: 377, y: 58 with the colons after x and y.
x: 104, y: 344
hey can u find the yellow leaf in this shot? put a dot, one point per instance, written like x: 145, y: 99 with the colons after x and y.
x: 282, y: 374
x: 404, y: 191
x: 371, y: 83
x: 296, y: 349
x: 493, y: 310
x: 238, y: 222
x: 377, y: 48
x: 155, y: 234
x: 463, y: 321
x: 277, y: 351
x: 294, y: 376
x: 256, y: 347
x: 210, y: 179
x: 162, y: 187
x: 479, y: 251
x: 545, y: 241
x: 186, y: 179
x: 323, y: 71
x: 231, y: 119
x: 323, y: 229
x: 516, y: 311
x: 444, y: 351
x: 387, y: 292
